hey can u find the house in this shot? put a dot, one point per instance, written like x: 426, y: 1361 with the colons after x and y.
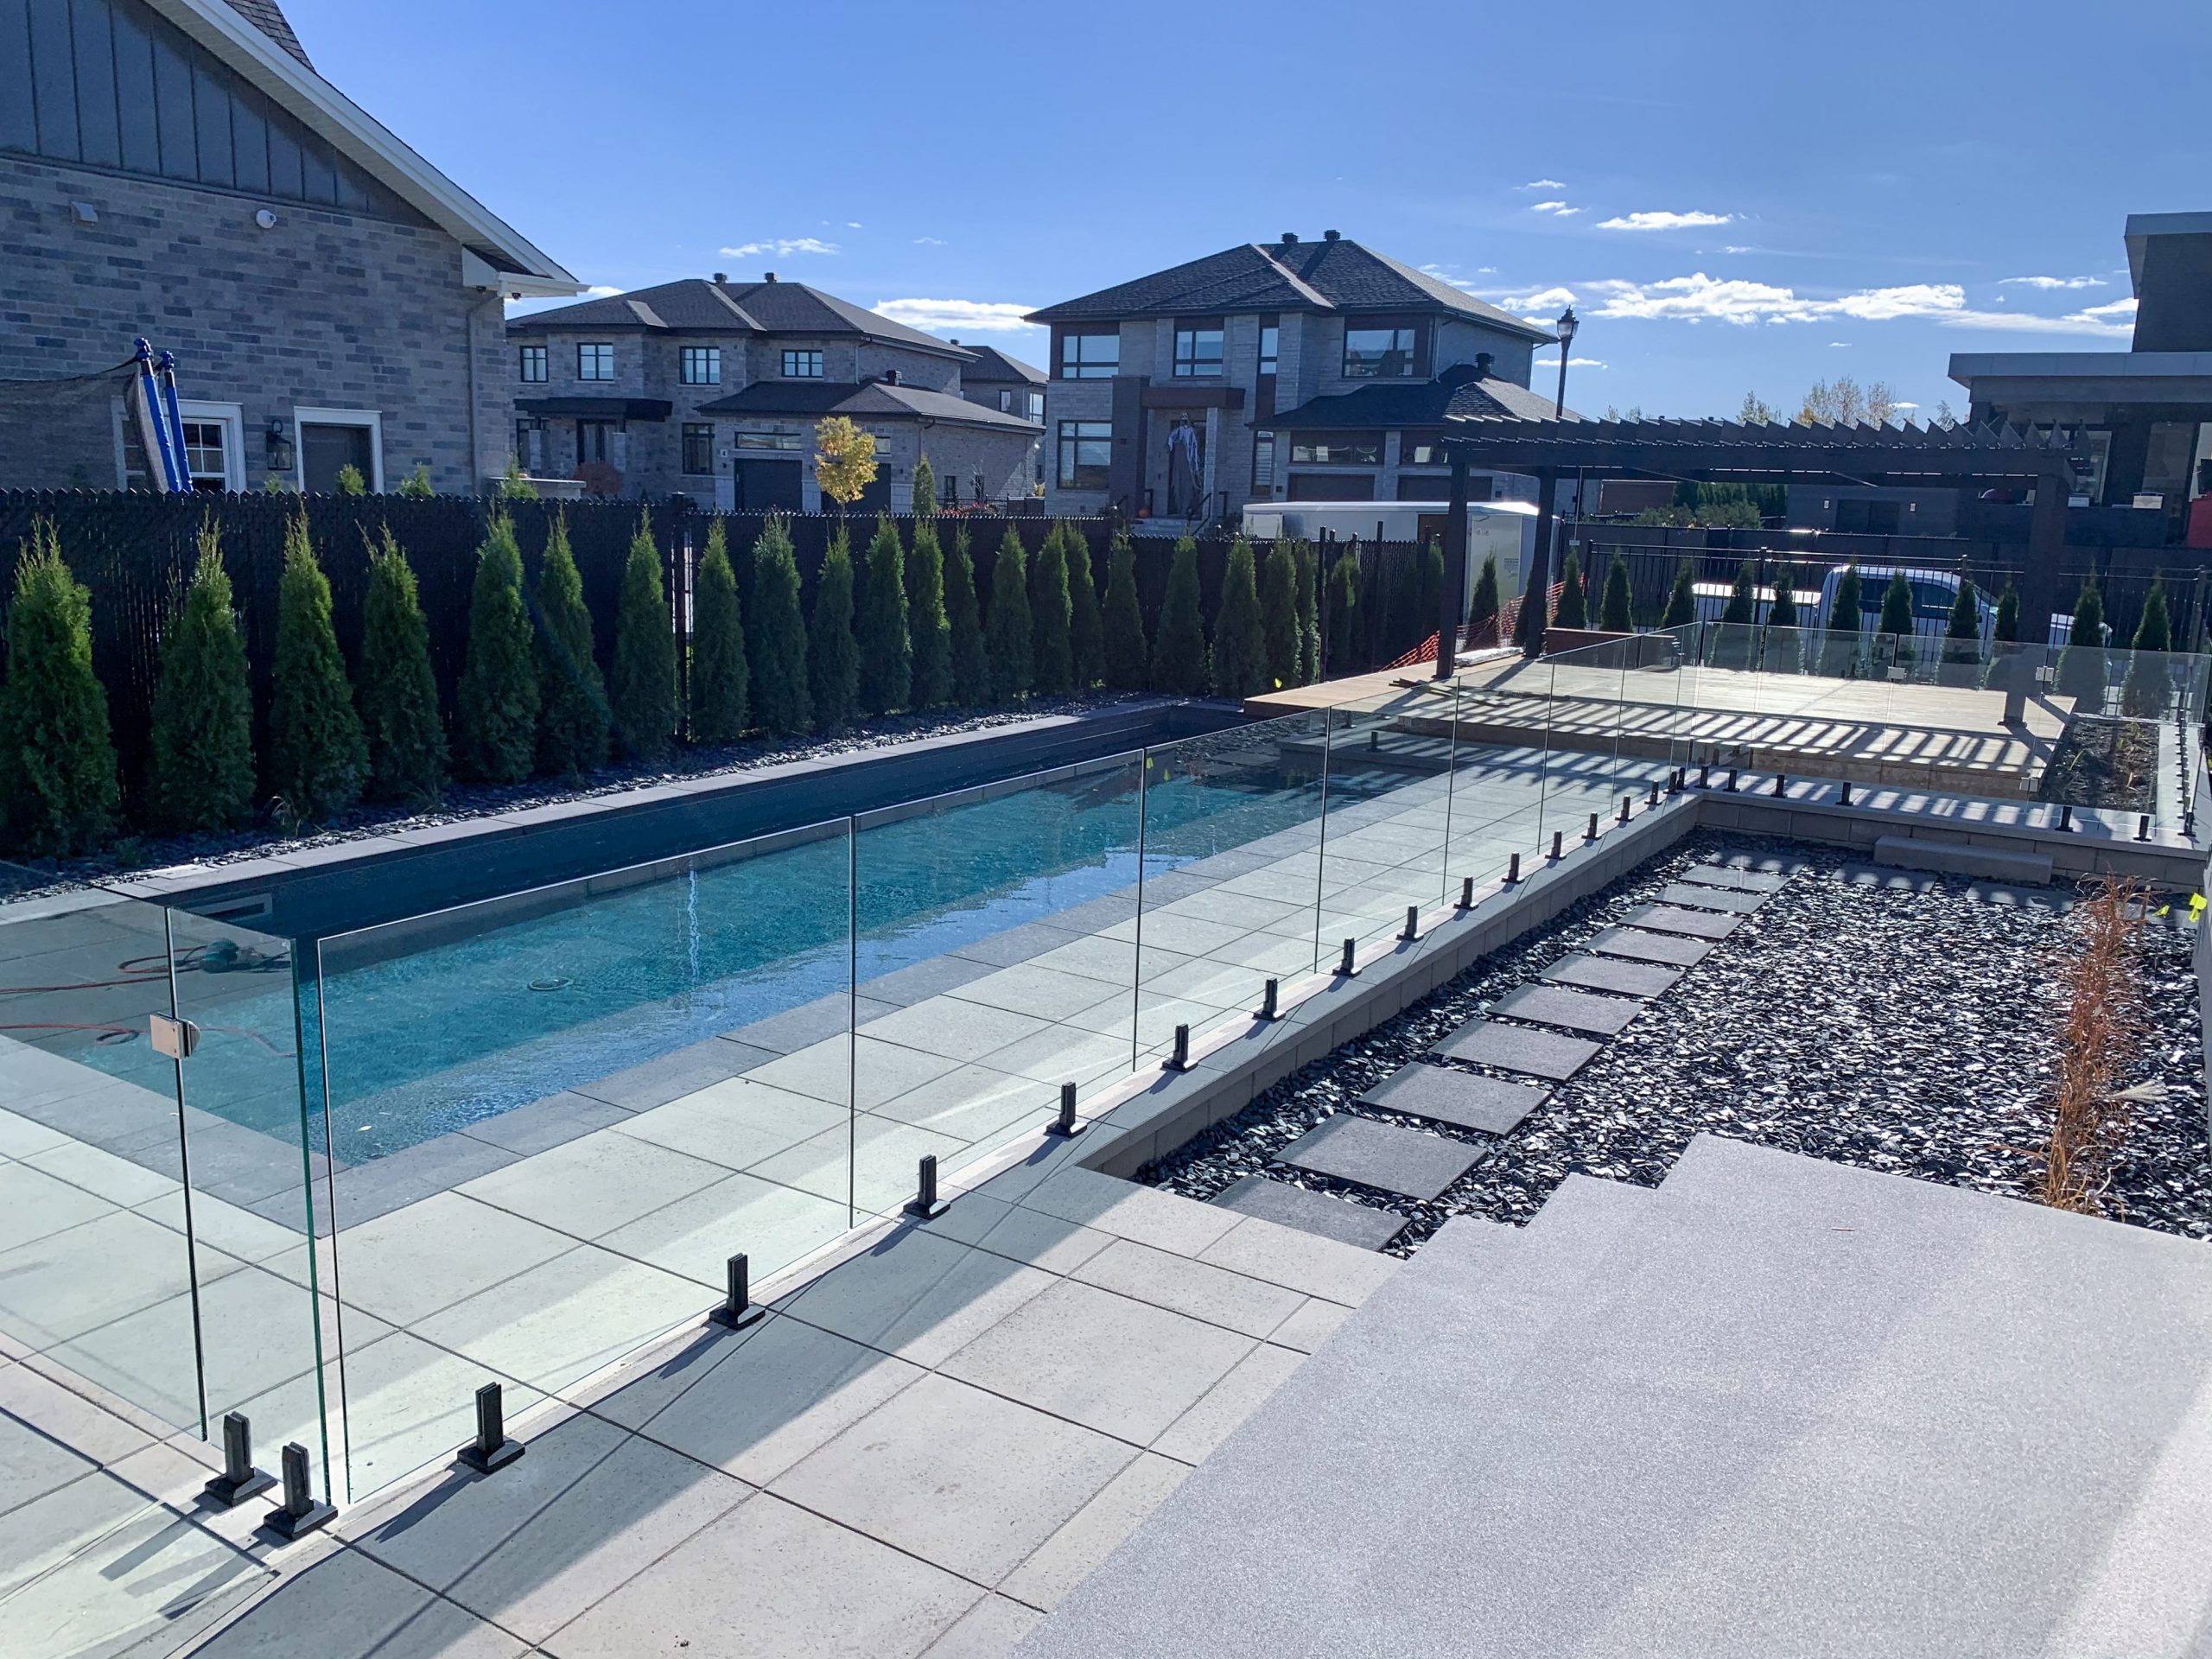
x: 1285, y: 370
x: 178, y: 169
x: 712, y: 389
x: 998, y: 380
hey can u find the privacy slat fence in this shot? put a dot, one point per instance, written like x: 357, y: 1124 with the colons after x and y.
x: 134, y: 551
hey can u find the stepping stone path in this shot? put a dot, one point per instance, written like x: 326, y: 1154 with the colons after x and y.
x: 1516, y: 1048
x: 1667, y: 918
x: 1551, y: 1005
x: 1443, y: 1094
x: 1599, y: 990
x: 1311, y: 1212
x: 1389, y: 1159
x: 1603, y: 973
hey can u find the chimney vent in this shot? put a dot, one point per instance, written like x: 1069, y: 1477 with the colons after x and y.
x: 1290, y: 239
x: 1330, y: 235
x: 720, y: 276
x: 768, y: 277
x: 891, y: 377
x: 1483, y: 360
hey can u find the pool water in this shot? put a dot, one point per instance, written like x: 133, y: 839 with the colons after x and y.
x: 415, y: 1044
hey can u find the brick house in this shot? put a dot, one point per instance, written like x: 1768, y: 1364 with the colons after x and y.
x: 1289, y: 370
x: 712, y: 389
x: 999, y: 380
x: 178, y: 169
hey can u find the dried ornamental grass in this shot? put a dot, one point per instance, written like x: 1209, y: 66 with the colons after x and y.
x: 2101, y: 1034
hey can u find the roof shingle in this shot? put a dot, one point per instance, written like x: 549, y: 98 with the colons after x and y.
x: 695, y: 305
x: 875, y: 400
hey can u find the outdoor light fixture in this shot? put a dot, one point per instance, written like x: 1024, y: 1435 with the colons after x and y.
x: 1566, y: 326
x: 278, y: 440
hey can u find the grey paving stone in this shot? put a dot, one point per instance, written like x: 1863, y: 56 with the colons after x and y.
x: 670, y: 1076
x: 1736, y: 904
x: 1603, y: 973
x: 918, y: 982
x: 1444, y: 1095
x: 1651, y: 947
x: 1311, y: 1212
x: 1554, y: 1005
x: 544, y: 1124
x: 1380, y: 1155
x: 1667, y: 918
x: 784, y: 1033
x: 1516, y: 1048
x: 1720, y: 875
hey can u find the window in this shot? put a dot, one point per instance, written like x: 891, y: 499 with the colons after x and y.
x: 1086, y: 449
x: 768, y: 441
x: 1373, y: 353
x: 802, y: 365
x: 1263, y: 461
x: 593, y: 443
x: 698, y: 446
x: 1198, y: 347
x: 1337, y: 449
x: 1421, y: 449
x: 594, y: 362
x: 206, y: 455
x: 1090, y: 357
x: 1006, y: 402
x: 1270, y: 346
x: 1037, y: 407
x: 533, y: 363
x: 702, y: 366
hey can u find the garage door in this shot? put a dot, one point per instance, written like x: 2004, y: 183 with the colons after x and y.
x: 769, y: 486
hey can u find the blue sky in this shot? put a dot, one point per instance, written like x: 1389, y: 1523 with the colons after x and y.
x: 1738, y: 196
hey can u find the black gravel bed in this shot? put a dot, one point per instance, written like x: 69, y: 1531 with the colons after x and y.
x: 22, y: 878
x: 1905, y: 1023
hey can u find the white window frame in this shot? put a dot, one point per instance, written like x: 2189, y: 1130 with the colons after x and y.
x: 232, y: 418
x: 371, y: 418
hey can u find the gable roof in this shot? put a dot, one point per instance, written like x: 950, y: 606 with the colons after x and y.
x: 995, y: 368
x: 693, y: 305
x: 1419, y: 402
x: 251, y: 38
x: 1332, y: 275
x: 874, y: 400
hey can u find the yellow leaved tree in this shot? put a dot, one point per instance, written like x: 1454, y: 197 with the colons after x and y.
x: 844, y: 460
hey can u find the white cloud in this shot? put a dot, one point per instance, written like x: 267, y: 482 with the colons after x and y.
x: 852, y: 224
x: 601, y: 291
x: 1903, y: 403
x: 1542, y: 298
x: 780, y: 246
x: 929, y: 241
x: 1700, y: 298
x: 1663, y: 221
x: 1557, y: 209
x: 2051, y: 281
x: 1572, y: 363
x: 1543, y: 184
x: 2113, y: 308
x: 985, y: 316
x: 1844, y: 343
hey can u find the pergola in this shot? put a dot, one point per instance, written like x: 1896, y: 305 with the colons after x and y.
x: 2044, y: 460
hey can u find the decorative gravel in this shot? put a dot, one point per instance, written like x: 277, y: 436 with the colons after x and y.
x: 1902, y: 1023
x: 141, y: 854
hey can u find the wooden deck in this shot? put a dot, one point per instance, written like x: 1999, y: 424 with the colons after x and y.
x: 1948, y: 738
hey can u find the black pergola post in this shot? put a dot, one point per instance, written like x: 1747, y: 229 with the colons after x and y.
x: 1535, y: 593
x: 1455, y: 572
x: 2038, y: 590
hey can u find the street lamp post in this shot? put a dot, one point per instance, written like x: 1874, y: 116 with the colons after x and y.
x: 1566, y: 324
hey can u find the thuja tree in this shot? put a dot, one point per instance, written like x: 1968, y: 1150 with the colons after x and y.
x: 1896, y: 616
x: 1839, y: 643
x: 1053, y: 669
x: 886, y: 666
x: 1178, y: 650
x: 1127, y: 660
x: 201, y: 775
x: 924, y: 487
x: 1086, y: 626
x: 1681, y: 599
x: 777, y: 644
x: 1617, y: 613
x: 495, y: 726
x: 2143, y: 691
x: 318, y: 758
x: 1008, y: 630
x: 2007, y: 628
x: 1961, y: 659
x: 971, y: 658
x: 926, y: 622
x: 1305, y: 563
x: 1482, y: 608
x: 57, y: 761
x: 720, y: 690
x: 399, y: 694
x: 572, y: 711
x: 833, y: 667
x: 2081, y: 664
x: 1346, y: 626
x: 1237, y: 665
x: 1279, y: 616
x: 643, y: 694
x: 1782, y: 645
x: 1574, y: 608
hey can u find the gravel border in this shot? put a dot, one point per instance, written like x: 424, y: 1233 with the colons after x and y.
x: 1897, y: 1021
x: 142, y: 855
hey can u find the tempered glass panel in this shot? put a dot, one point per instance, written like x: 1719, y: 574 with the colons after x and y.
x: 554, y: 1117
x: 992, y: 966
x: 1389, y: 781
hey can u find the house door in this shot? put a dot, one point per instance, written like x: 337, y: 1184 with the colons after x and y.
x: 765, y: 485
x: 594, y: 443
x: 325, y: 451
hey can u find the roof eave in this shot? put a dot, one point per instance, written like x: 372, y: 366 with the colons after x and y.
x: 306, y: 94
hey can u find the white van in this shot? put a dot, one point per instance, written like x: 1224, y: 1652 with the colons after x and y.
x: 1934, y: 593
x: 1503, y: 529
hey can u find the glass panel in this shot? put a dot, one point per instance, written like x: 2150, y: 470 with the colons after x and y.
x: 1232, y: 840
x: 1389, y: 777
x: 92, y: 1240
x: 554, y: 1115
x: 994, y: 963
